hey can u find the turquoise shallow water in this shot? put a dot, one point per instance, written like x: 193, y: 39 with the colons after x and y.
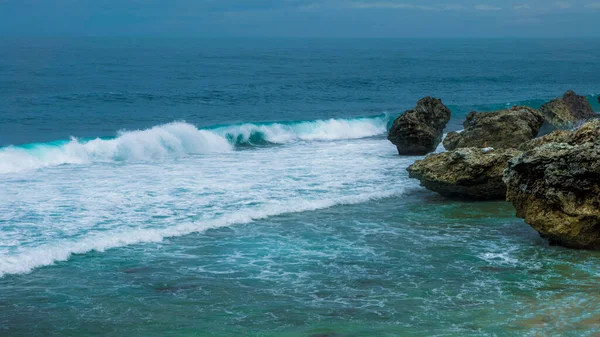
x: 464, y: 269
x: 246, y: 188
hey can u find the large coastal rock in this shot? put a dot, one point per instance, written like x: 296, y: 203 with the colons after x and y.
x: 556, y: 188
x: 502, y: 129
x: 419, y: 131
x: 468, y: 173
x: 567, y: 111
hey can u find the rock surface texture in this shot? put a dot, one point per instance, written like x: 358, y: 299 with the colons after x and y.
x: 557, y: 136
x: 567, y: 111
x: 419, y: 131
x: 556, y: 188
x: 468, y: 173
x: 501, y: 129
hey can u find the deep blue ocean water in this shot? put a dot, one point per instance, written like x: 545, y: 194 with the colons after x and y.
x: 188, y: 187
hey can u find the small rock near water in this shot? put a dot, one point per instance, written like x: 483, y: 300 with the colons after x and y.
x: 565, y: 112
x: 420, y: 131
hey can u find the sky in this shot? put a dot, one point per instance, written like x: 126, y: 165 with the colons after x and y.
x: 301, y: 18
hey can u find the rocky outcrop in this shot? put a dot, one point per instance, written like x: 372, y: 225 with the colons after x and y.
x: 419, y: 131
x: 469, y: 173
x: 587, y: 133
x: 556, y: 188
x: 567, y: 111
x: 503, y: 129
x: 558, y: 136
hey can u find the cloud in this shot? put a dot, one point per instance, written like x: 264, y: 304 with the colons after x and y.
x: 526, y: 21
x: 390, y: 5
x: 562, y: 5
x: 394, y: 5
x: 595, y: 5
x: 522, y: 7
x: 453, y: 7
x: 487, y: 8
x: 310, y: 7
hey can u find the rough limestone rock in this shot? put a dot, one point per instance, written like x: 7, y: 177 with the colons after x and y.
x: 419, y: 131
x: 502, y: 129
x: 556, y: 189
x: 567, y: 111
x: 589, y: 132
x: 469, y: 173
x: 557, y: 136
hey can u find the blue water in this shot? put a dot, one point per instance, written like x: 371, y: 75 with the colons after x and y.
x: 245, y: 188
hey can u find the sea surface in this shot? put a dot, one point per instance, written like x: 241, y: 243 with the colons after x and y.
x: 197, y: 187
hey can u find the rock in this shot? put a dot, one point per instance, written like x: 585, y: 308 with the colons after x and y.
x: 556, y: 188
x: 558, y: 136
x: 502, y: 129
x: 589, y: 132
x: 469, y: 173
x: 419, y: 131
x: 567, y: 111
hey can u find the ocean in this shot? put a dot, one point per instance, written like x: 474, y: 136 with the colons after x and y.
x: 245, y: 187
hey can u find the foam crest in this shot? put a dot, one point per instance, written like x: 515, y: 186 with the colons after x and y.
x: 181, y: 139
x: 174, y: 139
x: 318, y: 130
x: 48, y: 254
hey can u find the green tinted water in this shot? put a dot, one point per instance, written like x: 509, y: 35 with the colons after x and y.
x: 409, y: 266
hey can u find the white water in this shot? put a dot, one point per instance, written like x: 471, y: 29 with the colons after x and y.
x: 332, y: 129
x: 181, y: 139
x: 49, y: 214
x: 61, y: 250
x: 174, y: 139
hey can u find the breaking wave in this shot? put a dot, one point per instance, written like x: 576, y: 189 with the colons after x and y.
x: 181, y: 139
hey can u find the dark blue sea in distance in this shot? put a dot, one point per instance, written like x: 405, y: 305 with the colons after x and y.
x: 245, y: 187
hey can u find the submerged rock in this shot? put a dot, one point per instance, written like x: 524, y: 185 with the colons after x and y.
x: 556, y: 188
x: 502, y: 129
x: 567, y: 111
x: 469, y: 173
x: 419, y: 131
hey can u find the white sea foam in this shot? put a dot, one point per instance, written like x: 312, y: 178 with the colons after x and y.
x: 48, y: 254
x: 440, y: 148
x: 332, y: 129
x: 181, y: 139
x: 174, y: 139
x: 49, y: 215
